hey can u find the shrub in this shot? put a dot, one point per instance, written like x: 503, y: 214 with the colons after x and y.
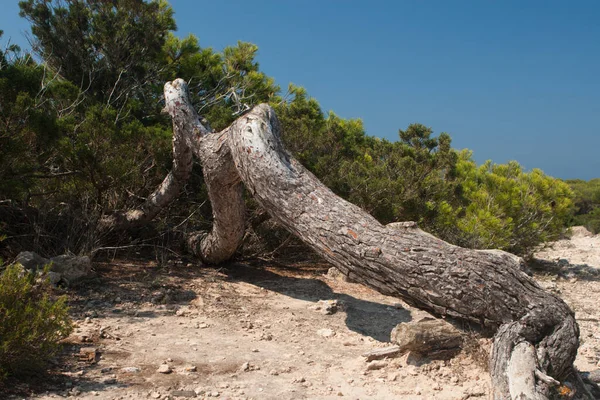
x: 31, y: 322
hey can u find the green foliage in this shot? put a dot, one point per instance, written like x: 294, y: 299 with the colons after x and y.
x: 85, y: 130
x: 508, y: 208
x: 27, y: 123
x: 31, y: 322
x: 421, y: 178
x: 108, y: 48
x: 587, y: 203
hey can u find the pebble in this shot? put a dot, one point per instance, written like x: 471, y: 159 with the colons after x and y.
x: 130, y: 370
x: 326, y: 333
x: 164, y: 369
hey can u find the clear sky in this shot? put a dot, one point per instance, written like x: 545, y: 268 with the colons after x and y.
x: 511, y: 80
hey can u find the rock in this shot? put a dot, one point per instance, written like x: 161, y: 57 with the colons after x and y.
x: 88, y: 354
x: 190, y: 368
x: 580, y: 231
x: 71, y: 268
x: 130, y: 370
x: 375, y: 365
x: 245, y: 367
x: 66, y: 267
x: 326, y: 333
x: 328, y: 307
x: 31, y: 261
x: 155, y: 395
x: 164, y: 369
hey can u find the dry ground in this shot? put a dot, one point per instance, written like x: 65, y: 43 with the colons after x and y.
x: 258, y: 330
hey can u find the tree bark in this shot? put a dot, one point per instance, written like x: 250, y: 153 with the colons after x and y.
x: 536, y: 335
x: 191, y: 137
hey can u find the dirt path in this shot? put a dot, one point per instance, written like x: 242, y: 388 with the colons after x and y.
x: 263, y: 331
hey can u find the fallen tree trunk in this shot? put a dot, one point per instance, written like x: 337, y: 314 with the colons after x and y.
x: 536, y: 335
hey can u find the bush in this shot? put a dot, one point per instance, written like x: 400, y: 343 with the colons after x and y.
x: 587, y: 203
x: 31, y: 322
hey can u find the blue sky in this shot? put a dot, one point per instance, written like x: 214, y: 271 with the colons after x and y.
x: 511, y: 80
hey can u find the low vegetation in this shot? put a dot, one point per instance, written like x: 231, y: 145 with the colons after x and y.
x: 587, y: 203
x: 32, y: 322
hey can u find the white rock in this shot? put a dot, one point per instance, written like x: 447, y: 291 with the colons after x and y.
x: 164, y: 369
x: 326, y: 333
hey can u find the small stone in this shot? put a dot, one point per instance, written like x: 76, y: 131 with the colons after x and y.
x: 377, y: 364
x: 274, y: 372
x: 155, y: 395
x: 417, y: 390
x: 245, y: 367
x: 88, y: 354
x: 454, y: 380
x: 326, y: 333
x: 190, y: 368
x: 164, y: 369
x: 130, y: 370
x: 327, y: 307
x: 255, y: 350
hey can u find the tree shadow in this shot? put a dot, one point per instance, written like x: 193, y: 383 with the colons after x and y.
x: 565, y: 270
x: 365, y: 317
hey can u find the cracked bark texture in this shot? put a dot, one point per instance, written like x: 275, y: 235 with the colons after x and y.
x: 536, y: 335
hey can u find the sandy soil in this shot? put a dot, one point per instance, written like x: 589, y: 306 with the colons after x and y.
x: 258, y: 330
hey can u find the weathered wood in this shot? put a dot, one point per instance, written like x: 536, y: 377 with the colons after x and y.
x: 385, y: 352
x: 220, y: 176
x: 484, y: 287
x: 427, y: 336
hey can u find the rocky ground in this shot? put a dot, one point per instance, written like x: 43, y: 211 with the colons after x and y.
x: 261, y: 330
